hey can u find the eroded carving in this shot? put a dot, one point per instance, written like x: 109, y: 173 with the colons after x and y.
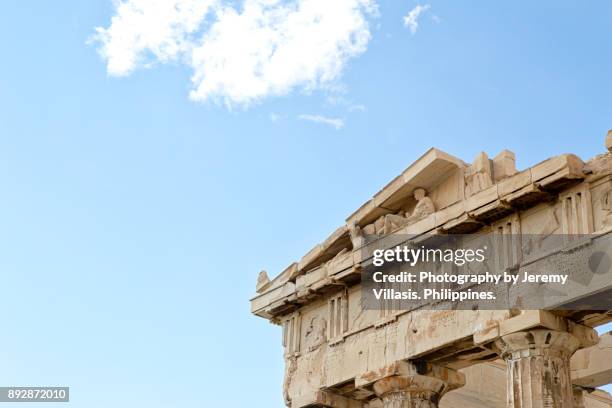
x: 263, y: 282
x: 479, y: 175
x: 356, y: 234
x: 375, y: 228
x: 533, y: 242
x: 504, y: 165
x: 315, y: 333
x: 606, y: 207
x: 423, y: 208
x: 290, y: 369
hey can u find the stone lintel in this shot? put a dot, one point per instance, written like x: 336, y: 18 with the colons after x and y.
x: 527, y: 196
x: 592, y: 367
x: 552, y: 170
x: 492, y: 212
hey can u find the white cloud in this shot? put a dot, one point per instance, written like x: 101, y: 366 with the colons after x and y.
x: 412, y: 19
x: 239, y: 55
x: 146, y: 31
x: 336, y: 123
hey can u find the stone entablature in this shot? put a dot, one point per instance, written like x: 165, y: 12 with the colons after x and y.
x: 340, y: 355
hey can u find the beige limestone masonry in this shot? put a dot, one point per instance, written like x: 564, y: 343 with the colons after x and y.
x: 340, y: 355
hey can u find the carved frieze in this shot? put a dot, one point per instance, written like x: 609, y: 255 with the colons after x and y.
x: 315, y: 334
x: 576, y: 211
x: 606, y: 207
x: 292, y: 327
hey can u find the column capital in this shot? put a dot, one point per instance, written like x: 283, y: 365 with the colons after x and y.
x: 537, y: 342
x: 419, y: 385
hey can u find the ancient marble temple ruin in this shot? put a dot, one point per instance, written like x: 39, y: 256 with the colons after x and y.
x: 337, y: 354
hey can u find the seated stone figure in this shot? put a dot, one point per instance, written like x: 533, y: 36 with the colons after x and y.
x: 423, y: 208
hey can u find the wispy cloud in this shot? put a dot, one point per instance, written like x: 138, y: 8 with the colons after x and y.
x: 238, y: 55
x: 338, y: 99
x: 412, y: 19
x: 275, y: 117
x: 356, y: 108
x: 336, y: 123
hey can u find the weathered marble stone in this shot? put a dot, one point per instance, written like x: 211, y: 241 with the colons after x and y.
x: 538, y: 368
x: 339, y: 354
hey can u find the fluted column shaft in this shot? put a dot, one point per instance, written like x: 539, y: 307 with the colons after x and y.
x: 538, y: 368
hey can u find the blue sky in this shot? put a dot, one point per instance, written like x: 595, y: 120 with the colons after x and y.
x: 140, y: 204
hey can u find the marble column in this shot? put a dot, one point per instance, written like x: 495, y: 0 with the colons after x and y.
x: 578, y: 397
x: 421, y: 388
x: 538, y: 368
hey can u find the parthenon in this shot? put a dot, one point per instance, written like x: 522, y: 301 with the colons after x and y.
x: 339, y: 354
